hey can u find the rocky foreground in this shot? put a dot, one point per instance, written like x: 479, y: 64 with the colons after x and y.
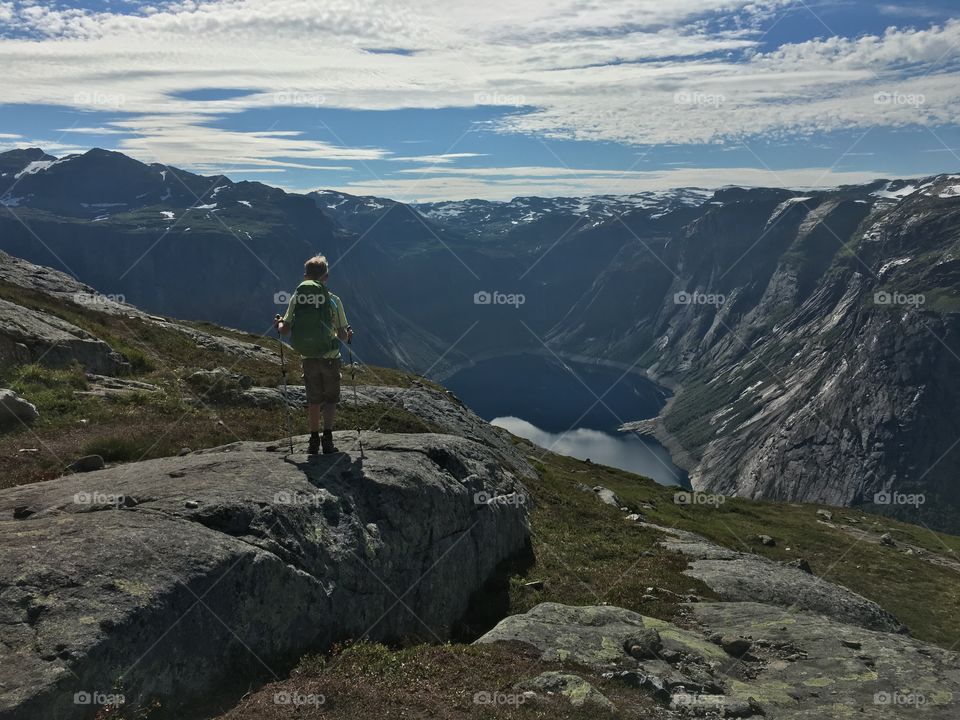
x: 181, y: 579
x: 742, y: 659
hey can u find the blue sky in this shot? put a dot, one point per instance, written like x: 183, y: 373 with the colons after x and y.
x: 430, y: 100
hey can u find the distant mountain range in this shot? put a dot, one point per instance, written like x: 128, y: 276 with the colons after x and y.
x: 811, y: 336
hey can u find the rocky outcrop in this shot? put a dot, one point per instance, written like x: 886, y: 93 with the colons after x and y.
x: 15, y: 411
x: 744, y: 659
x: 28, y: 336
x: 574, y: 688
x: 440, y: 409
x: 743, y: 576
x: 106, y: 386
x: 177, y: 578
x: 65, y: 288
x: 810, y: 666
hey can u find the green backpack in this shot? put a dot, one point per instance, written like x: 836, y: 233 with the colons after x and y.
x: 314, y: 330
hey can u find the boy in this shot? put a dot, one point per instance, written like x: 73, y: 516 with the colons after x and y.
x: 316, y: 324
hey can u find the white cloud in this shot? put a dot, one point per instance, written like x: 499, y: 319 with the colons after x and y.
x: 436, y: 159
x: 631, y: 71
x: 90, y: 130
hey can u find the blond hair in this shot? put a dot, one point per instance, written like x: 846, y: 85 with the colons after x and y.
x: 315, y: 268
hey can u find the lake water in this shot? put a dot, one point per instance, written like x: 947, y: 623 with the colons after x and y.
x: 554, y: 405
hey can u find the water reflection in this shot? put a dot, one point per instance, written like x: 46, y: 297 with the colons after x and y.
x: 624, y: 451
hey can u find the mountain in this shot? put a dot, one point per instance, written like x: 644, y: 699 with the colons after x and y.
x: 810, y: 336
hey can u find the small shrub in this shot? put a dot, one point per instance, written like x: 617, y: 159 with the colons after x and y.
x: 118, y: 449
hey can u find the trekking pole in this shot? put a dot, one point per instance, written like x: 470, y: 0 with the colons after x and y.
x: 286, y: 403
x: 353, y: 381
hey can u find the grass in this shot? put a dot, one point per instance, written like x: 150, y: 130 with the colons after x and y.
x: 146, y: 425
x: 366, y: 680
x: 123, y: 431
x: 585, y: 553
x: 883, y: 574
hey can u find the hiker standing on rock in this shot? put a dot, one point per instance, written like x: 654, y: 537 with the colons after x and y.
x: 316, y: 324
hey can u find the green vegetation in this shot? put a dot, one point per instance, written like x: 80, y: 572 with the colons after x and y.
x: 587, y: 554
x: 574, y: 555
x: 144, y: 425
x: 365, y: 680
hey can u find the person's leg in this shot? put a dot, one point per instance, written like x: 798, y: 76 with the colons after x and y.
x: 314, y: 410
x: 313, y: 381
x: 331, y: 396
x: 329, y: 413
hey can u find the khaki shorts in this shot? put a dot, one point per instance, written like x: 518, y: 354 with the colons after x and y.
x: 321, y: 376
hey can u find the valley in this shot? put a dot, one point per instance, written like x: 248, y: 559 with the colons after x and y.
x: 782, y: 319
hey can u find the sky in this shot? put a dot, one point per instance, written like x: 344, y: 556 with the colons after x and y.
x: 428, y: 100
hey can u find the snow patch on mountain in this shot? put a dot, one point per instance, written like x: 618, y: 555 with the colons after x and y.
x: 525, y: 210
x: 892, y: 264
x: 34, y: 167
x: 899, y: 194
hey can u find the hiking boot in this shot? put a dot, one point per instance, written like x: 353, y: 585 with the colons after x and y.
x: 314, y: 447
x: 328, y: 446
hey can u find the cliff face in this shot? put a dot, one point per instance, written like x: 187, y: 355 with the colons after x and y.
x: 817, y: 358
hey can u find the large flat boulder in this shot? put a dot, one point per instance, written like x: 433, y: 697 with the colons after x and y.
x: 179, y: 578
x: 595, y: 636
x: 744, y: 659
x: 835, y: 669
x: 440, y: 409
x: 30, y: 336
x: 739, y: 576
